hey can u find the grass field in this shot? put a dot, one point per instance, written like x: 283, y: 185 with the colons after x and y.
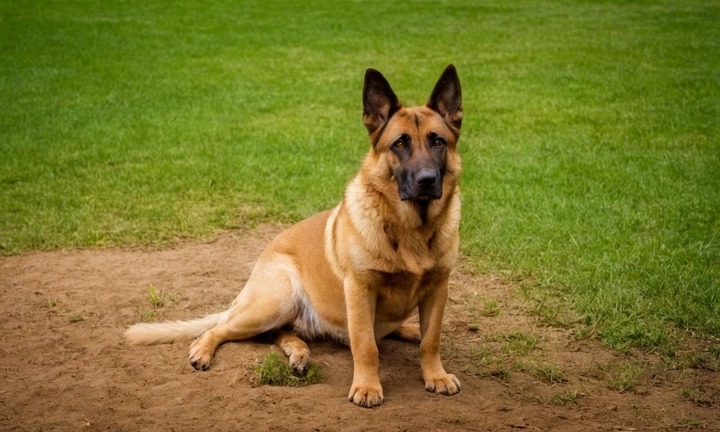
x: 590, y: 143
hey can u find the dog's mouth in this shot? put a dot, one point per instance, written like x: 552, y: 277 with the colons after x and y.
x: 428, y: 197
x: 420, y: 197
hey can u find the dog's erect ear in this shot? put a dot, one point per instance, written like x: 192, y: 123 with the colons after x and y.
x: 379, y: 101
x: 446, y: 97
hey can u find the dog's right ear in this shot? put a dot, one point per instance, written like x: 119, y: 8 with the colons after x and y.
x: 379, y: 101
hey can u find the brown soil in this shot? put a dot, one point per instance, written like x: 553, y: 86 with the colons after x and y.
x: 65, y: 366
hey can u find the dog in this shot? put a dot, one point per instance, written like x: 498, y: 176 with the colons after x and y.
x: 357, y: 272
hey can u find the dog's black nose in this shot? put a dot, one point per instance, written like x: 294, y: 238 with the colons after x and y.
x: 426, y: 178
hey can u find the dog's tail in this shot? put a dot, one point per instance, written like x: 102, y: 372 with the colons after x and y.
x: 171, y: 331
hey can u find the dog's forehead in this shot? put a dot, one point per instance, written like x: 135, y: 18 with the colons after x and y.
x: 419, y: 120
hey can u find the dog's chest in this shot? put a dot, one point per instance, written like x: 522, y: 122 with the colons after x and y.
x: 414, y: 255
x: 400, y: 293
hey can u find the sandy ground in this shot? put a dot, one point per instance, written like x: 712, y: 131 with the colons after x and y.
x: 65, y: 366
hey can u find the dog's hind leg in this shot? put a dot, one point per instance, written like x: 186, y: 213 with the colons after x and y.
x: 266, y: 303
x: 296, y: 349
x: 408, y: 332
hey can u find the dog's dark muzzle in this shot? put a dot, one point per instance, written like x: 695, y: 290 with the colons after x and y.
x: 426, y: 183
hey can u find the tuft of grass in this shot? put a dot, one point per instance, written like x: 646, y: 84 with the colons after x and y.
x: 482, y: 306
x: 274, y: 371
x: 157, y: 298
x: 497, y: 355
x: 622, y: 376
x: 490, y: 308
x: 564, y: 397
x: 715, y: 351
x: 689, y: 421
x: 550, y: 306
x: 696, y: 396
x: 501, y: 373
x: 450, y: 350
x: 520, y: 343
x: 542, y: 370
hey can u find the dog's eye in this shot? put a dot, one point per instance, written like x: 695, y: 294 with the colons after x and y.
x: 438, y: 142
x: 402, y: 142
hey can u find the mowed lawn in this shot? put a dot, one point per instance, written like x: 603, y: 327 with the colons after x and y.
x: 590, y: 144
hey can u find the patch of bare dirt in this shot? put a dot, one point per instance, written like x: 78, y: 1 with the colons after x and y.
x: 65, y: 366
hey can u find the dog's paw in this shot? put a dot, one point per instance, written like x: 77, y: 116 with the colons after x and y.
x: 447, y: 385
x: 299, y: 363
x: 199, y: 355
x: 366, y: 397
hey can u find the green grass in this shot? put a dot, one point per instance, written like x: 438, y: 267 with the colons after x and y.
x: 157, y: 298
x: 274, y: 371
x: 590, y: 142
x: 622, y: 376
x: 501, y: 354
x: 565, y: 397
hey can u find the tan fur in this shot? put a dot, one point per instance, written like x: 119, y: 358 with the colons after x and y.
x: 354, y: 273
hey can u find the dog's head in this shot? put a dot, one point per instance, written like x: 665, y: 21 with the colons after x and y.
x: 416, y: 142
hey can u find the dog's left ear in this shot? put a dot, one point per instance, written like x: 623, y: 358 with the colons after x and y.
x: 446, y: 97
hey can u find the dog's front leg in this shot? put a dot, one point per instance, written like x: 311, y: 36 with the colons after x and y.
x: 431, y: 310
x: 361, y: 301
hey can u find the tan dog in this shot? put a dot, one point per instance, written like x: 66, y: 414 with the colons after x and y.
x: 357, y: 272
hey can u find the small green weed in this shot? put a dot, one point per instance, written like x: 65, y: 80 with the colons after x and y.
x: 490, y: 308
x: 520, y: 343
x: 501, y: 353
x: 622, y: 376
x: 695, y: 359
x: 692, y: 360
x: 482, y: 306
x: 543, y: 370
x: 550, y: 306
x: 696, y: 397
x: 715, y: 350
x: 274, y: 371
x: 501, y: 373
x: 565, y: 397
x: 450, y: 350
x: 157, y: 298
x: 714, y: 360
x: 690, y: 394
x: 691, y: 421
x: 480, y: 354
x: 484, y: 362
x: 52, y: 303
